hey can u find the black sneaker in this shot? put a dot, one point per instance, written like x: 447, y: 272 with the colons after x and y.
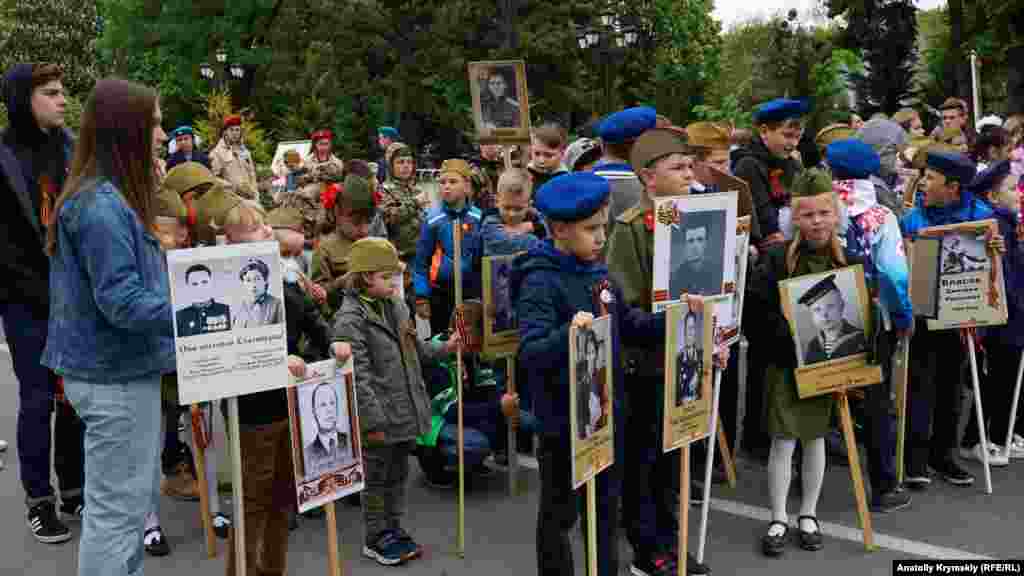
x: 72, y: 509
x: 954, y: 474
x: 890, y: 501
x: 657, y: 565
x: 696, y: 493
x: 156, y: 544
x: 45, y: 526
x: 917, y: 481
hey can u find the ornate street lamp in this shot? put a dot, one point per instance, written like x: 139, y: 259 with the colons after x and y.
x: 608, y: 40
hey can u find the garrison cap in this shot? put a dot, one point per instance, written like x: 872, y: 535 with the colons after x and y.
x: 811, y: 182
x: 822, y: 287
x: 572, y: 197
x: 655, y: 144
x: 780, y: 110
x: 851, y: 159
x: 627, y: 124
x: 833, y: 132
x: 711, y: 135
x: 168, y: 204
x: 286, y: 218
x: 953, y: 165
x: 373, y: 255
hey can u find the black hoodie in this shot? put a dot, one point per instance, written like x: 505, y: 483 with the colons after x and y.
x: 26, y: 154
x: 754, y: 163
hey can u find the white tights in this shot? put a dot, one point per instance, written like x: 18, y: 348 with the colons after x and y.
x: 780, y: 470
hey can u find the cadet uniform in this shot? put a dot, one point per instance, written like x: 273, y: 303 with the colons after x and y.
x: 649, y: 491
x: 330, y: 260
x: 401, y: 207
x: 234, y: 164
x: 621, y: 128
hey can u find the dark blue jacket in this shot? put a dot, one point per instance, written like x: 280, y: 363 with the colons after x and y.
x: 179, y: 158
x: 549, y: 287
x: 1013, y: 274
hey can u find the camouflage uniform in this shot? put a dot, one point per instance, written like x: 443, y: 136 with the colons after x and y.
x: 306, y: 198
x: 403, y: 216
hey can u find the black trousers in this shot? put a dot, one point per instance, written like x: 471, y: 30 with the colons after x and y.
x: 560, y: 506
x: 933, y: 396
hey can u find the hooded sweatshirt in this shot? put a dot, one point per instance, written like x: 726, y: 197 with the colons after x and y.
x: 33, y: 166
x: 769, y: 178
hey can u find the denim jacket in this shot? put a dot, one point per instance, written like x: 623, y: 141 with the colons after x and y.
x: 110, y: 309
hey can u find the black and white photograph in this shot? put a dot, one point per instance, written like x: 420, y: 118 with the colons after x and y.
x: 501, y: 327
x: 689, y: 358
x: 229, y: 320
x: 590, y: 393
x: 829, y: 321
x: 500, y: 101
x: 963, y: 253
x: 325, y: 433
x: 694, y: 247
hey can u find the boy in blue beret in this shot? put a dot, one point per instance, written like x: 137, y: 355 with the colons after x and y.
x: 560, y: 282
x: 185, y: 148
x: 618, y: 132
x: 935, y: 356
x: 871, y: 233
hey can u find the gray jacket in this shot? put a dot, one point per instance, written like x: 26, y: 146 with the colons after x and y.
x: 390, y: 392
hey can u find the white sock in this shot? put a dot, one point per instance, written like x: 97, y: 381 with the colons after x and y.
x: 813, y: 475
x: 780, y: 473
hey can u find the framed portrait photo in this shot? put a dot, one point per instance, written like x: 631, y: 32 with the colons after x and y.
x: 501, y: 108
x: 324, y: 426
x: 829, y: 316
x: 957, y: 281
x: 501, y: 327
x: 689, y: 348
x: 591, y: 397
x: 694, y: 247
x: 729, y: 310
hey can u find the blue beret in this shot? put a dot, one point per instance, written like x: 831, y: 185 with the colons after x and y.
x: 851, y: 159
x: 182, y: 130
x: 571, y: 197
x: 990, y: 177
x: 953, y: 165
x: 389, y: 132
x: 627, y: 124
x: 780, y: 110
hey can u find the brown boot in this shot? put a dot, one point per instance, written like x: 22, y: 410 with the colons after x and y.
x: 181, y: 485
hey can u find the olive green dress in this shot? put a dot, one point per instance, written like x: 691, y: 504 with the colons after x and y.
x: 788, y: 415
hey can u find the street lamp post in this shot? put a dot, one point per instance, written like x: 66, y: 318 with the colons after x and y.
x: 223, y: 72
x: 608, y: 39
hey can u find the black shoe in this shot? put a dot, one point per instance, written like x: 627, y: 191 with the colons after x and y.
x: 774, y: 545
x: 653, y: 565
x: 890, y: 501
x: 72, y: 508
x: 293, y: 521
x: 156, y: 544
x: 696, y: 493
x: 954, y: 474
x: 809, y: 540
x: 221, y: 525
x: 45, y: 526
x: 352, y: 500
x: 917, y: 481
x: 694, y: 567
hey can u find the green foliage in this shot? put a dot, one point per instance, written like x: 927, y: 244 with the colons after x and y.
x: 728, y: 110
x: 218, y: 106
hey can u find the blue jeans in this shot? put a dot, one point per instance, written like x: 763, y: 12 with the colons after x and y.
x: 122, y: 448
x: 26, y: 336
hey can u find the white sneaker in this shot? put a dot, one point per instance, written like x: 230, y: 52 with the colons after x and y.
x: 1017, y: 447
x: 3, y: 445
x: 996, y: 457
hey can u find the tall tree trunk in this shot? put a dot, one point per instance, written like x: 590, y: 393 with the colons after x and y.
x: 959, y: 69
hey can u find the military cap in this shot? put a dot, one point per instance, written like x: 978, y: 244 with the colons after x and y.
x: 458, y: 166
x: 388, y: 132
x: 257, y: 265
x: 655, y: 144
x: 811, y: 182
x: 581, y: 151
x: 373, y: 255
x: 397, y: 150
x: 904, y: 115
x: 953, y: 165
x: 182, y: 130
x: 321, y: 135
x: 851, y: 159
x: 990, y: 178
x: 627, y: 124
x: 213, y: 208
x: 920, y: 157
x: 572, y: 197
x: 953, y: 103
x: 780, y: 110
x: 833, y: 132
x: 711, y: 135
x: 357, y: 194
x: 286, y: 218
x: 232, y: 120
x: 820, y: 288
x: 168, y: 204
x: 186, y: 176
x: 952, y: 136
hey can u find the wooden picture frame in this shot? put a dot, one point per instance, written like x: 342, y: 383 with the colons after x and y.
x: 686, y: 406
x: 501, y: 328
x: 593, y: 444
x: 501, y: 113
x: 729, y: 311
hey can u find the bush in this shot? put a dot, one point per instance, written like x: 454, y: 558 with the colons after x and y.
x: 218, y: 107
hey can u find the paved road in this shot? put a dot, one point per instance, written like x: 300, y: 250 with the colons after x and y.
x: 944, y: 522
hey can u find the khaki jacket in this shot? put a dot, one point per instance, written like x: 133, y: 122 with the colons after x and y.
x: 236, y: 168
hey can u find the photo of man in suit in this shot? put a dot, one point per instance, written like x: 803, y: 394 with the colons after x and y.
x: 695, y: 267
x: 689, y: 361
x: 205, y: 315
x: 835, y: 337
x: 331, y: 448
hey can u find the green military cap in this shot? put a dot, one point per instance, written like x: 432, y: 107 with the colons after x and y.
x: 168, y: 204
x: 904, y: 115
x: 952, y: 136
x: 833, y: 132
x: 655, y: 144
x: 811, y: 182
x: 920, y: 159
x: 287, y: 218
x: 373, y: 255
x: 186, y: 176
x: 357, y: 194
x: 213, y: 208
x: 710, y: 135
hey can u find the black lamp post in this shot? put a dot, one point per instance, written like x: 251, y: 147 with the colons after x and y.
x: 221, y: 74
x: 607, y: 40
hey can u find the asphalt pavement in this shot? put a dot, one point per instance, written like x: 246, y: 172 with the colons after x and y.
x: 946, y: 522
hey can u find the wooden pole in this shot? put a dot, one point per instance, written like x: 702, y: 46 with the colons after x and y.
x: 1013, y: 408
x: 460, y: 529
x: 727, y: 462
x: 709, y: 462
x: 238, y: 523
x: 858, y: 479
x: 199, y: 459
x: 513, y: 449
x: 902, y: 385
x: 684, y: 507
x: 977, y: 408
x: 334, y: 563
x: 592, y: 527
x: 741, y: 393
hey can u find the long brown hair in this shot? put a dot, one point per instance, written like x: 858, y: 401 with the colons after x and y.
x: 115, y: 143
